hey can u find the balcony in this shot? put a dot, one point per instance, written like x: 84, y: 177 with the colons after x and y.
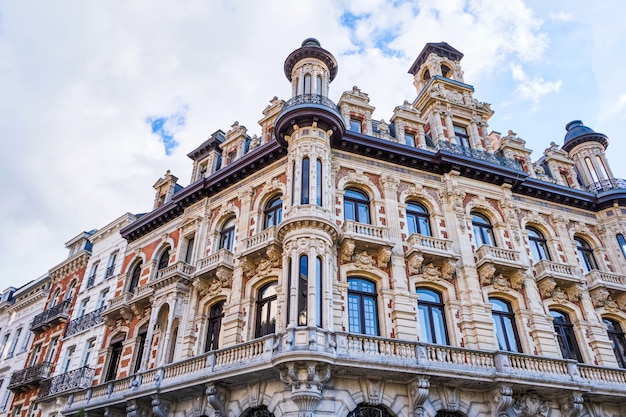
x: 91, y: 281
x: 607, y: 184
x: 118, y: 308
x: 308, y: 99
x: 84, y: 322
x: 170, y: 275
x: 109, y: 272
x: 69, y: 381
x: 54, y: 315
x: 430, y: 248
x: 564, y: 275
x: 257, y: 245
x: 23, y: 379
x: 142, y: 297
x: 504, y: 260
x: 607, y: 280
x: 361, y: 356
x: 207, y: 267
x: 365, y: 235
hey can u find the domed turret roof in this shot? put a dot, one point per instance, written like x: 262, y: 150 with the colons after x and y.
x: 311, y: 48
x: 577, y: 133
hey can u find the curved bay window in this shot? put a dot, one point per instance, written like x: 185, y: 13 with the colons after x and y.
x: 417, y: 219
x: 164, y: 260
x: 587, y: 260
x: 356, y: 206
x: 538, y: 246
x: 303, y: 288
x: 266, y: 310
x: 273, y: 213
x: 565, y: 335
x: 134, y: 277
x: 305, y: 180
x: 362, y: 310
x: 483, y: 230
x: 214, y: 324
x: 227, y: 235
x: 318, y: 182
x: 504, y: 324
x: 616, y: 334
x: 432, y: 317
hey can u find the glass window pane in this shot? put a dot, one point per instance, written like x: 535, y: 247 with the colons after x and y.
x: 349, y: 210
x: 510, y: 334
x: 363, y: 214
x: 354, y: 313
x: 439, y: 326
x: 369, y: 308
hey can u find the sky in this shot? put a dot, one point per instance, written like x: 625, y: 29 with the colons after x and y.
x: 99, y: 99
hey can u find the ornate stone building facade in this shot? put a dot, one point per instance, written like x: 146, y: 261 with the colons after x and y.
x: 338, y: 265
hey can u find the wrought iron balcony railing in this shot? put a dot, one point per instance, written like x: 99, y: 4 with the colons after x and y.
x: 52, y: 315
x: 478, y: 154
x: 91, y: 281
x: 310, y: 99
x: 607, y: 184
x: 84, y: 322
x: 109, y: 272
x: 69, y: 381
x: 30, y: 376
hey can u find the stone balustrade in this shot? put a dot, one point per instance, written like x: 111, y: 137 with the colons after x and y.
x: 596, y: 278
x: 561, y: 272
x: 261, y: 239
x: 222, y: 257
x: 504, y: 260
x: 177, y: 268
x: 358, y: 352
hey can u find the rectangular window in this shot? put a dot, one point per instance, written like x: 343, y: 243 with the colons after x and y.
x: 52, y: 350
x: 409, y: 139
x: 189, y: 249
x: 111, y: 265
x: 355, y: 125
x: 102, y: 298
x: 68, y: 358
x: 82, y: 307
x: 89, y: 345
x: 461, y: 136
x: 26, y: 341
x: 16, y: 337
x: 3, y: 345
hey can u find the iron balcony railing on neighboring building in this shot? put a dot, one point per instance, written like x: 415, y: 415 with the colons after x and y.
x: 607, y: 184
x: 84, y: 322
x: 109, y: 272
x: 310, y: 99
x: 52, y: 315
x: 30, y: 376
x: 71, y: 380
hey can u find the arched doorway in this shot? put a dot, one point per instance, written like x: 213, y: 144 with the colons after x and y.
x: 261, y: 411
x: 365, y: 410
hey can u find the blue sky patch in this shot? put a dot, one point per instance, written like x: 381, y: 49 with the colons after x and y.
x: 166, y: 128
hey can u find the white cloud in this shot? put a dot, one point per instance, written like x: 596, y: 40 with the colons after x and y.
x: 532, y: 88
x: 560, y: 16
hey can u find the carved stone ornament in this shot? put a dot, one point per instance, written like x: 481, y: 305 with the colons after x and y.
x: 263, y: 267
x: 531, y: 404
x: 572, y: 405
x: 559, y: 295
x: 448, y: 269
x: 363, y: 260
x: 373, y: 390
x: 486, y: 272
x: 160, y: 408
x: 502, y: 400
x: 500, y: 283
x: 546, y: 287
x: 384, y: 256
x: 517, y: 280
x: 419, y: 394
x: 415, y: 263
x: 599, y: 297
x: 347, y: 250
x: 306, y: 382
x: 217, y: 397
x: 133, y: 409
x: 273, y: 254
x: 430, y: 272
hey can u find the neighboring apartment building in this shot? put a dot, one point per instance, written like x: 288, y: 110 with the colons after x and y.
x: 48, y: 328
x: 86, y: 326
x: 17, y: 310
x: 338, y: 265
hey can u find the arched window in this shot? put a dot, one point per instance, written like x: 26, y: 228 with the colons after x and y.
x: 273, y: 213
x: 69, y: 293
x: 504, y: 324
x: 55, y: 297
x: 139, y: 347
x: 227, y: 235
x: 588, y: 261
x: 622, y: 243
x: 616, y: 334
x: 266, y: 310
x: 134, y: 277
x: 307, y: 84
x: 432, y: 317
x: 164, y: 260
x: 417, y: 219
x: 303, y: 288
x: 538, y: 246
x: 366, y: 410
x: 304, y: 183
x: 362, y: 310
x: 592, y: 170
x: 260, y: 411
x: 214, y: 324
x: 483, y: 230
x: 356, y: 206
x: 565, y: 335
x: 115, y: 353
x: 319, y: 293
x: 318, y: 85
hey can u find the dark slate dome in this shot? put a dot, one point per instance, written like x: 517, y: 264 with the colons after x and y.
x: 577, y: 133
x: 311, y: 48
